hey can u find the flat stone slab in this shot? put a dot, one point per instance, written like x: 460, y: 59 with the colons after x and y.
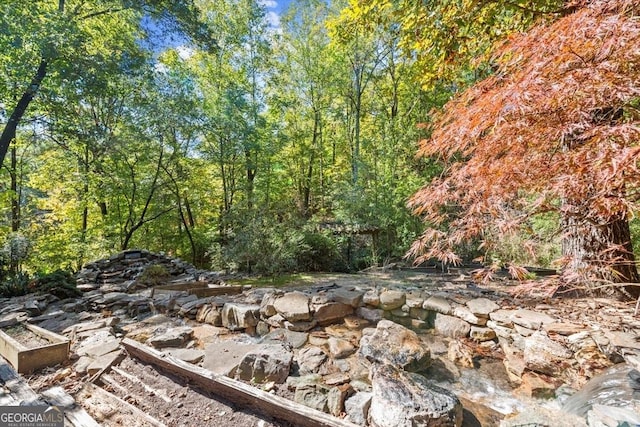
x: 223, y: 357
x: 437, y: 304
x: 530, y: 319
x: 624, y: 339
x: 104, y: 362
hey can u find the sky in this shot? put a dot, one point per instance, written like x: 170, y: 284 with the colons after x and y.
x: 275, y: 9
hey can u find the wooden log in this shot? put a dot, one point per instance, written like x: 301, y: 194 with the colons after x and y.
x: 75, y: 414
x: 180, y: 286
x: 236, y: 391
x: 97, y: 398
x: 215, y: 291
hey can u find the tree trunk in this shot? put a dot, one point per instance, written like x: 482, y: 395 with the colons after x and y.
x: 15, y: 196
x: 9, y: 132
x: 599, y: 252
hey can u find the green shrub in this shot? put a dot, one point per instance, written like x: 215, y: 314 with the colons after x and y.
x: 15, y: 285
x: 317, y: 252
x: 60, y: 283
x: 153, y: 275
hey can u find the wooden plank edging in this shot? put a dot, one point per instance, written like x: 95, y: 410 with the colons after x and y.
x: 236, y: 391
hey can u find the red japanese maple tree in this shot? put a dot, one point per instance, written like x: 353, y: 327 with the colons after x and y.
x: 555, y: 129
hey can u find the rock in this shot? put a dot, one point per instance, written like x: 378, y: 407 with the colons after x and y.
x: 437, y: 304
x: 451, y: 327
x: 210, y: 314
x: 394, y: 344
x: 403, y: 399
x: 262, y: 328
x: 530, y: 319
x: 95, y: 349
x: 311, y: 393
x: 337, y: 378
x: 501, y: 331
x: 292, y: 338
x: 525, y: 332
x: 460, y: 354
x: 623, y: 339
x: 236, y: 317
x: 223, y: 357
x: 482, y: 307
x: 310, y: 359
x: 371, y: 298
x: 419, y: 313
x: 275, y: 321
x: 587, y: 353
x: 513, y: 360
x: 293, y: 306
x: 267, y: 309
x: 353, y: 322
x: 104, y: 362
x: 332, y: 312
x: 335, y: 400
x: 465, y: 314
x: 390, y: 300
x: 502, y: 317
x: 544, y: 355
x: 347, y: 297
x: 270, y: 362
x: 187, y: 355
x: 357, y: 407
x: 300, y: 326
x: 533, y: 385
x: 82, y: 364
x: 339, y: 348
x: 481, y: 334
x: 563, y: 328
x: 174, y: 337
x: 540, y: 416
x: 372, y: 315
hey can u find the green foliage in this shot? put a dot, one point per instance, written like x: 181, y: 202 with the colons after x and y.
x: 14, y: 285
x: 318, y: 252
x: 60, y: 283
x: 153, y: 275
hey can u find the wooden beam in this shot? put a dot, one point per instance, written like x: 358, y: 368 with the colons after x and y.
x: 236, y: 391
x: 95, y: 398
x: 74, y: 413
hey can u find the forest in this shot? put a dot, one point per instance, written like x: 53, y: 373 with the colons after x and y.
x: 333, y: 137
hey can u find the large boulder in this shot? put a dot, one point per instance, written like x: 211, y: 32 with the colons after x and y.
x: 270, y: 362
x: 403, y: 399
x: 390, y: 300
x: 544, y: 355
x: 394, y: 344
x: 293, y: 306
x: 236, y: 317
x: 331, y: 312
x: 482, y: 307
x: 450, y: 326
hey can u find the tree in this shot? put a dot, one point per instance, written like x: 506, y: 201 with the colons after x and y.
x: 54, y: 34
x: 555, y: 129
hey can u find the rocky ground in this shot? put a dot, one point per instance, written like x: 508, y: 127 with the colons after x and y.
x: 383, y: 348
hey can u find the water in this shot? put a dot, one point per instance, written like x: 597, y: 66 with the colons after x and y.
x: 617, y: 386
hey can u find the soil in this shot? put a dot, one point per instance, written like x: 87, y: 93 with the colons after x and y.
x: 26, y: 337
x: 176, y: 403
